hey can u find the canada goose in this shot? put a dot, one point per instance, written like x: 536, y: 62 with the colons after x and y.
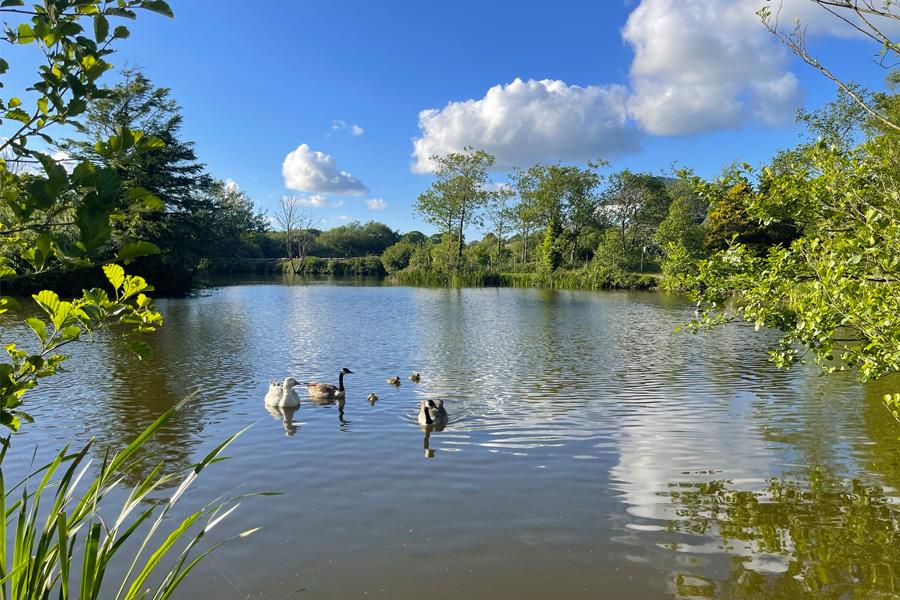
x: 395, y: 380
x: 327, y: 391
x: 432, y: 412
x: 415, y: 377
x: 283, y: 393
x: 372, y: 398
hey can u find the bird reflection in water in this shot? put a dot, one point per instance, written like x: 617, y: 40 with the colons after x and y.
x: 344, y: 424
x: 285, y: 414
x: 426, y: 441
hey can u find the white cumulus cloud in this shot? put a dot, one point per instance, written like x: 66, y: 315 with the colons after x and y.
x: 376, y: 204
x: 527, y: 121
x: 306, y: 170
x: 702, y: 65
x: 315, y: 201
x: 357, y: 130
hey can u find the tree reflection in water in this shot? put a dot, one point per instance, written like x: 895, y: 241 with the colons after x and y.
x: 817, y: 536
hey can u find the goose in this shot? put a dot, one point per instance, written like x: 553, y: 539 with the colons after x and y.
x: 283, y: 393
x: 415, y: 377
x: 327, y: 391
x: 432, y: 412
x: 394, y: 381
x: 372, y: 398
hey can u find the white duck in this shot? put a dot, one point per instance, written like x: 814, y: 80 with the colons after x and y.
x: 283, y: 393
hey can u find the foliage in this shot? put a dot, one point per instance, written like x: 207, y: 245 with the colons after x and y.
x: 396, y: 257
x: 454, y: 200
x: 354, y: 239
x: 61, y: 218
x: 68, y: 322
x: 635, y: 204
x: 202, y: 219
x: 42, y: 559
x: 563, y: 200
x: 358, y: 266
x: 834, y: 289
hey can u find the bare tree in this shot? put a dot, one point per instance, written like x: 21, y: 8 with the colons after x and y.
x: 297, y: 224
x: 286, y: 217
x: 870, y: 18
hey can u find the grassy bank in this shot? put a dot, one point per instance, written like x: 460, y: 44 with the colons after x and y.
x: 584, y: 278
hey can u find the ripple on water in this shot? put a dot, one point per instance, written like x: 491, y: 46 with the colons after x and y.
x: 587, y: 444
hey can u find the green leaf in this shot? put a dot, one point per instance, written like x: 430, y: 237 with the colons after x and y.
x: 25, y: 33
x: 136, y: 249
x: 144, y: 200
x: 48, y: 300
x: 72, y: 332
x: 157, y: 6
x: 9, y: 3
x: 39, y: 328
x: 115, y: 274
x: 18, y: 114
x: 101, y: 28
x: 8, y: 419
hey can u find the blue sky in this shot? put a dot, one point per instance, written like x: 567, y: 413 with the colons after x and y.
x: 256, y: 81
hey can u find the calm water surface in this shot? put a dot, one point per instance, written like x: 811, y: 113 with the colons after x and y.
x: 591, y: 453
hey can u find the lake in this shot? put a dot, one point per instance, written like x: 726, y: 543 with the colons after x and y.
x: 592, y: 451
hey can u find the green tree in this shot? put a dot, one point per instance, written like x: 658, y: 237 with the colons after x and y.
x: 564, y: 202
x: 682, y: 229
x: 171, y: 171
x: 499, y: 214
x: 396, y: 257
x: 457, y: 195
x: 635, y: 204
x: 834, y: 288
x: 356, y: 239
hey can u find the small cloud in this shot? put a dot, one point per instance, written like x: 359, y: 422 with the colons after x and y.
x: 231, y: 186
x: 342, y: 218
x: 376, y: 204
x: 340, y: 124
x: 306, y: 170
x: 316, y: 201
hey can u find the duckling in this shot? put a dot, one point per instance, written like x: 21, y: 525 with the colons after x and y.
x: 327, y: 391
x: 372, y: 398
x: 283, y: 393
x: 432, y: 412
x: 415, y: 377
x: 395, y: 381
